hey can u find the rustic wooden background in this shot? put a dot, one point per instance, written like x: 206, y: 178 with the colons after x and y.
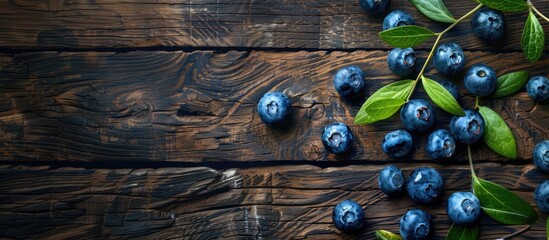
x: 137, y: 119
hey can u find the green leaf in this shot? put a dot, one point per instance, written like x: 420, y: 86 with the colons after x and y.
x: 506, y: 5
x: 509, y: 83
x: 386, y: 235
x: 533, y: 39
x: 497, y: 134
x: 441, y: 97
x: 434, y: 9
x: 396, y: 90
x: 457, y: 232
x: 406, y: 36
x: 383, y: 108
x: 503, y: 205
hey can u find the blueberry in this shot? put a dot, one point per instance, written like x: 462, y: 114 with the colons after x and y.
x: 391, y: 181
x: 488, y: 24
x: 348, y: 216
x: 541, y: 195
x: 440, y: 145
x: 337, y: 138
x: 274, y: 108
x: 538, y: 88
x: 463, y: 208
x: 469, y: 128
x: 417, y: 115
x: 402, y: 61
x: 480, y: 80
x: 424, y: 185
x: 349, y: 82
x: 375, y: 7
x: 415, y: 225
x: 449, y: 59
x: 397, y: 18
x: 397, y: 143
x: 541, y: 155
x: 451, y: 87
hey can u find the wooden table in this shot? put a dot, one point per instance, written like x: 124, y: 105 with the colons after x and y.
x: 137, y: 119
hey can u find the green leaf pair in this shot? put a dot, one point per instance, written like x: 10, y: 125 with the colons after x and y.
x: 457, y: 232
x: 386, y: 235
x: 501, y: 204
x: 385, y: 102
x: 533, y: 38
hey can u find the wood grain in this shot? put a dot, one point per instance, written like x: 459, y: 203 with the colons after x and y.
x: 279, y: 202
x: 312, y: 24
x: 201, y: 106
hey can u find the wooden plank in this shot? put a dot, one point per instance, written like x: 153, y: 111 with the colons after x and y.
x: 279, y: 202
x: 201, y: 106
x: 309, y: 24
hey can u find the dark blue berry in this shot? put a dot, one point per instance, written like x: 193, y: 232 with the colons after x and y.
x: 541, y: 195
x: 463, y: 208
x: 348, y: 216
x: 415, y: 225
x: 397, y: 18
x: 337, y: 138
x: 469, y: 128
x: 449, y: 59
x: 488, y: 24
x: 417, y: 115
x: 402, y: 61
x: 397, y: 143
x: 541, y: 155
x: 480, y: 80
x: 274, y: 108
x: 424, y: 185
x: 451, y: 87
x: 391, y: 181
x: 538, y: 88
x: 440, y: 145
x: 375, y: 7
x: 349, y: 82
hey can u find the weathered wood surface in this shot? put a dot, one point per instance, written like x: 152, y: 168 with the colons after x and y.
x: 201, y: 106
x: 313, y: 24
x: 201, y: 203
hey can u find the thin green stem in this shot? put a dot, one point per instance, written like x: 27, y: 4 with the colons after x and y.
x: 439, y: 36
x: 515, y: 233
x: 476, y: 102
x: 537, y: 11
x: 471, y: 161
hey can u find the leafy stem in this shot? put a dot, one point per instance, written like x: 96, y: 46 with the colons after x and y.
x: 439, y: 36
x: 532, y: 7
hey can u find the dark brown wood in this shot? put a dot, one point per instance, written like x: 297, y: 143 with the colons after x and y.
x: 205, y: 23
x: 201, y: 106
x: 279, y: 202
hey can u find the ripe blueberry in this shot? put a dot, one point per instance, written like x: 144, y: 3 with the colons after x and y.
x: 451, y: 87
x: 391, y: 181
x: 480, y: 80
x: 397, y: 143
x: 424, y: 185
x: 397, y: 18
x: 440, y: 145
x: 541, y: 195
x: 337, y: 138
x: 375, y: 7
x: 469, y: 128
x: 449, y: 59
x: 538, y: 88
x: 348, y: 216
x: 417, y: 115
x: 415, y: 225
x: 488, y: 24
x: 463, y: 208
x: 349, y: 82
x: 541, y: 155
x: 402, y: 61
x: 274, y: 108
